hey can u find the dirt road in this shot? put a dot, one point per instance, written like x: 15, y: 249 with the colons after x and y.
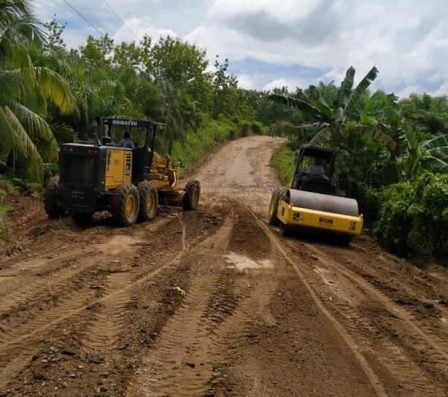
x: 215, y: 303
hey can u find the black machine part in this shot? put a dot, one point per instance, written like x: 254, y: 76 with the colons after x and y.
x: 319, y: 183
x: 315, y: 152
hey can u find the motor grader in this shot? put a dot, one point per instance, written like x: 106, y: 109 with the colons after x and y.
x: 129, y: 183
x: 311, y: 203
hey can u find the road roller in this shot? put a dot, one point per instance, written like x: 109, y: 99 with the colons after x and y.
x: 311, y: 203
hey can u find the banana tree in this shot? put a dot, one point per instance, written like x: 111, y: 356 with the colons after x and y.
x: 430, y: 154
x: 329, y: 121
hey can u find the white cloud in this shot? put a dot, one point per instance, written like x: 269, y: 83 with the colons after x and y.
x: 407, y: 40
x: 247, y: 81
x: 279, y: 83
x: 135, y: 28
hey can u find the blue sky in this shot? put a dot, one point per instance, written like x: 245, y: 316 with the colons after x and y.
x: 291, y: 42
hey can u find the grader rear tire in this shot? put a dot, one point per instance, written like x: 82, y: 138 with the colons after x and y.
x: 191, y: 196
x: 125, y: 205
x: 149, y: 201
x: 52, y: 202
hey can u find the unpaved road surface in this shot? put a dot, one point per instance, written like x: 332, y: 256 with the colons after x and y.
x: 215, y: 303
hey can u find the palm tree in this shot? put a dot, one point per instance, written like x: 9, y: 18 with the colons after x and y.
x: 25, y: 91
x: 336, y: 122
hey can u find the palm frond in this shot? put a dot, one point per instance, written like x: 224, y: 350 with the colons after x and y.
x: 317, y: 100
x: 321, y: 137
x: 436, y: 143
x: 346, y: 87
x: 361, y: 87
x: 435, y: 164
x: 298, y: 103
x: 16, y: 137
x: 37, y: 128
x: 55, y: 88
x: 376, y: 133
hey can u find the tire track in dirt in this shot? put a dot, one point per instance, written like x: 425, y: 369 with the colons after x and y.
x: 439, y: 346
x: 24, y: 339
x: 33, y: 289
x: 214, y: 322
x: 50, y: 277
x: 165, y: 370
x: 409, y: 337
x: 378, y: 338
x: 108, y: 323
x: 103, y: 333
x: 338, y: 327
x: 22, y: 336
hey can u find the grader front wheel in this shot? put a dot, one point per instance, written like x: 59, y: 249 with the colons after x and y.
x: 125, y: 205
x: 52, y: 203
x: 191, y: 196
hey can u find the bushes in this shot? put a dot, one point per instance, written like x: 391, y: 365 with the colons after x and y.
x: 413, y: 219
x: 197, y: 143
x: 6, y: 187
x: 283, y: 160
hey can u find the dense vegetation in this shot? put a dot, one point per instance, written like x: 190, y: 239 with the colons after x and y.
x: 51, y: 94
x: 393, y: 157
x: 393, y: 153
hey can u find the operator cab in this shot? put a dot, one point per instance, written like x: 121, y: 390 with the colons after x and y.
x: 142, y: 154
x: 314, y: 170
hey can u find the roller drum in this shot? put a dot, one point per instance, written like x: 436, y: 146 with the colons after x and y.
x: 322, y: 202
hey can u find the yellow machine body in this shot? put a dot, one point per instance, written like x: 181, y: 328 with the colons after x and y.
x: 118, y: 167
x: 308, y: 218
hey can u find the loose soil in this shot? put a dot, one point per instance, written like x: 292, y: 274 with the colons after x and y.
x: 214, y: 303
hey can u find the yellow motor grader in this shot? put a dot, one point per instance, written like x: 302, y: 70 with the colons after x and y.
x: 129, y: 183
x: 311, y: 203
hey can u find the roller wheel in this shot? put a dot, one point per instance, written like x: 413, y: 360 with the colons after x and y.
x: 52, y: 200
x: 344, y: 241
x: 277, y: 195
x: 191, y: 196
x: 284, y: 230
x: 149, y: 201
x: 125, y: 205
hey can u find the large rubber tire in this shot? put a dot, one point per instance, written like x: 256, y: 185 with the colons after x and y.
x: 52, y: 200
x: 191, y: 197
x: 277, y: 195
x: 149, y: 201
x: 125, y: 205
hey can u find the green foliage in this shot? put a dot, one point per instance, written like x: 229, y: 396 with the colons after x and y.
x: 197, y: 143
x: 413, y: 219
x: 335, y: 120
x: 6, y: 188
x: 283, y: 160
x: 26, y: 91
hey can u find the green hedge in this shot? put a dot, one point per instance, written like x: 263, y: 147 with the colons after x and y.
x: 413, y: 219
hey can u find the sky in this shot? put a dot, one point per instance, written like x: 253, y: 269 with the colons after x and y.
x: 291, y: 43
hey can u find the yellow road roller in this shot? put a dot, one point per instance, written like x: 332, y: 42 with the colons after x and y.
x: 311, y: 204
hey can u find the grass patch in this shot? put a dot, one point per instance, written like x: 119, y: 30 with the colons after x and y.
x: 283, y: 161
x: 198, y: 143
